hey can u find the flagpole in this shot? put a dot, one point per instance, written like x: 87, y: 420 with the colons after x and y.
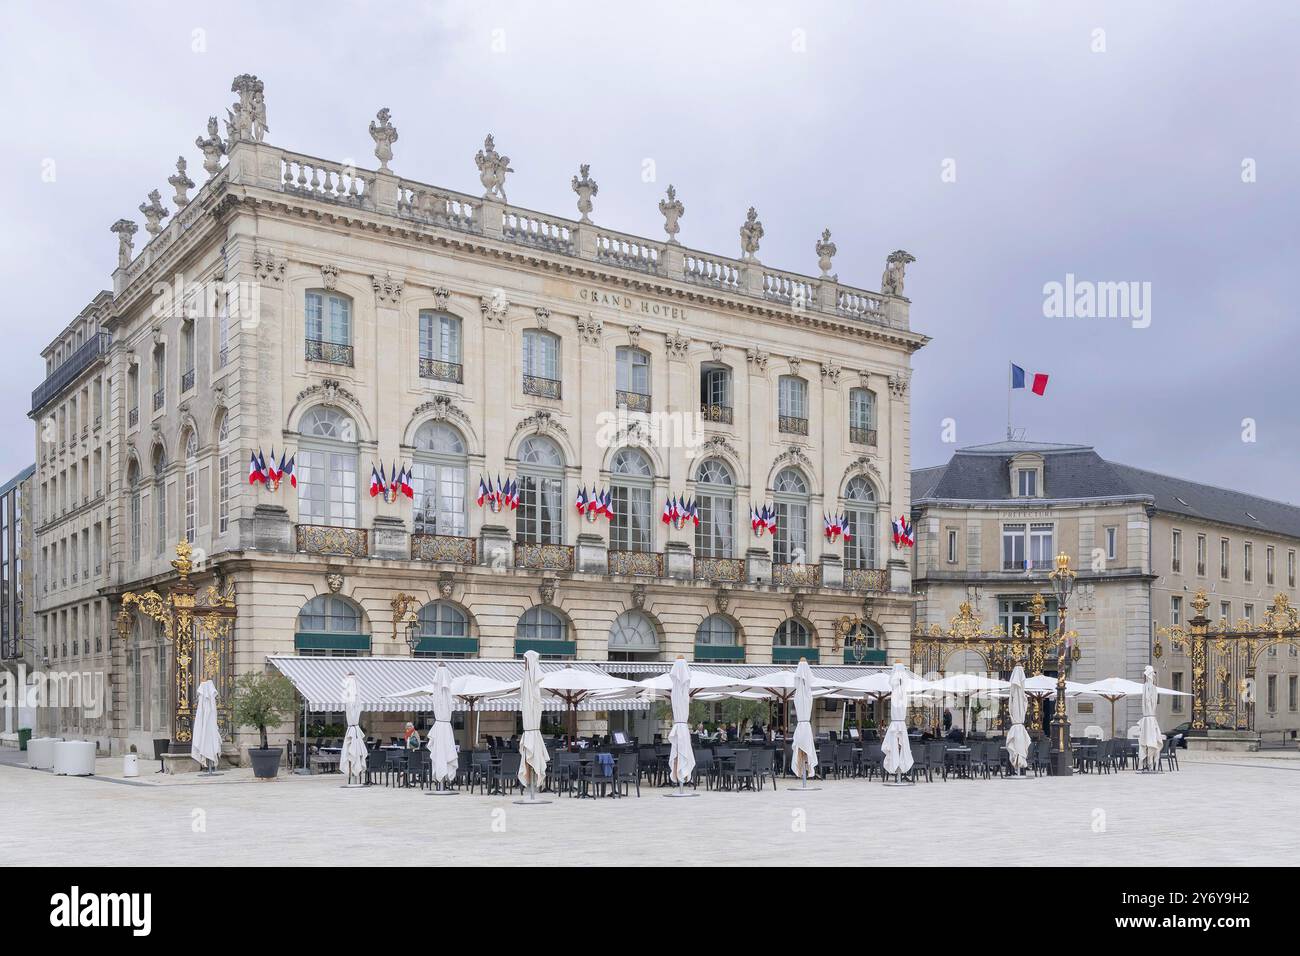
x: 1009, y: 366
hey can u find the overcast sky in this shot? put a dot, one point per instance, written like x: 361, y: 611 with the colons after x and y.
x: 1115, y: 156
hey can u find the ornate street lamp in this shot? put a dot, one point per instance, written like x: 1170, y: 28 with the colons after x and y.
x: 1062, y: 579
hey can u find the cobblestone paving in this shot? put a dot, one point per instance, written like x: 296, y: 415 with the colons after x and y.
x: 1222, y: 809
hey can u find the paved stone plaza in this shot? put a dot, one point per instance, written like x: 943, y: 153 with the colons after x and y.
x: 1232, y: 810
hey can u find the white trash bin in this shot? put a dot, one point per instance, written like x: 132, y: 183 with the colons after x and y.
x: 131, y: 765
x: 74, y: 758
x: 40, y: 752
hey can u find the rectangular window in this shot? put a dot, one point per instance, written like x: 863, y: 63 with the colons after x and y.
x: 329, y: 328
x: 1223, y: 558
x: 790, y: 543
x: 952, y: 546
x: 1041, y: 554
x: 1175, y: 610
x: 632, y: 371
x: 1013, y: 547
x: 1176, y: 681
x: 861, y: 551
x: 862, y: 416
x: 631, y: 528
x: 541, y: 364
x: 135, y: 526
x: 439, y: 506
x: 1268, y: 565
x: 540, y: 518
x: 1290, y: 569
x: 1027, y: 482
x: 327, y: 488
x: 191, y: 504
x: 792, y: 405
x: 1176, y: 552
x: 715, y: 388
x: 1247, y: 553
x: 715, y: 536
x: 1272, y: 693
x: 1291, y: 691
x: 1225, y: 610
x: 440, y: 347
x: 1202, y: 554
x: 223, y: 494
x: 1112, y: 544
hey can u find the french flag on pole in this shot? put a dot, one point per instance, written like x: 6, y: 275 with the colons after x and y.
x: 1038, y: 385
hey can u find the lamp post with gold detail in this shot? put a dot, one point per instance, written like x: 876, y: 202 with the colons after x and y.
x: 1063, y: 579
x: 197, y: 626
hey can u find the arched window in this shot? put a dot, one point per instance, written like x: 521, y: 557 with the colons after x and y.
x: 136, y: 517
x: 632, y: 368
x: 790, y: 494
x: 541, y: 624
x: 439, y: 477
x: 715, y: 639
x: 540, y: 517
x: 715, y: 492
x: 329, y: 327
x: 860, y: 509
x: 631, y: 488
x: 862, y: 416
x: 792, y: 633
x: 715, y: 392
x: 866, y: 633
x: 331, y: 626
x: 632, y: 636
x: 327, y: 469
x: 160, y: 499
x: 443, y: 631
x: 541, y: 363
x: 440, y: 346
x: 191, y: 486
x: 792, y: 410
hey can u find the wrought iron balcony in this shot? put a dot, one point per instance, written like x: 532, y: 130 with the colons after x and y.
x: 544, y: 557
x: 792, y: 426
x: 543, y: 387
x: 632, y: 401
x: 862, y: 436
x: 329, y: 352
x: 866, y: 579
x: 715, y: 413
x: 133, y: 417
x: 648, y: 563
x: 730, y: 570
x: 159, y: 398
x: 187, y: 380
x: 441, y: 371
x: 86, y: 355
x: 797, y: 575
x: 443, y: 547
x: 320, y: 539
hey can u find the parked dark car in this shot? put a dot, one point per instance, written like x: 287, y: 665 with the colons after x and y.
x: 1180, y: 732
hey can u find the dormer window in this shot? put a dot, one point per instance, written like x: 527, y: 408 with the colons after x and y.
x: 1027, y: 476
x: 1026, y: 483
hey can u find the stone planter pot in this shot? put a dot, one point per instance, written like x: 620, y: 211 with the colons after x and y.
x: 266, y: 763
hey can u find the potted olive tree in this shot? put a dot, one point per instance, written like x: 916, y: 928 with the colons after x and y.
x: 263, y: 699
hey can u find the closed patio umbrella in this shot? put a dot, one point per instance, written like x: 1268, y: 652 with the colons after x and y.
x: 681, y: 758
x: 1150, y: 739
x: 532, y: 749
x: 803, y: 751
x: 352, y: 756
x: 897, y: 748
x: 1017, y: 736
x: 205, y: 747
x: 442, y: 740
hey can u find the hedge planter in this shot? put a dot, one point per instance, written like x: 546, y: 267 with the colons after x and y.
x: 266, y: 763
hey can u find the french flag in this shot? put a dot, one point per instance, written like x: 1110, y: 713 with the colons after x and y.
x: 255, y: 472
x: 826, y: 527
x: 844, y: 528
x: 377, y: 485
x: 769, y: 518
x: 605, y: 503
x: 1038, y: 385
x: 404, y: 482
x: 755, y: 522
x: 512, y: 493
x: 667, y: 516
x: 693, y: 512
x: 286, y: 470
x: 482, y: 492
x: 582, y: 501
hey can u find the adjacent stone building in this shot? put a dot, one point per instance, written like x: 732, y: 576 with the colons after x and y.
x: 17, y: 646
x: 359, y: 323
x: 990, y: 521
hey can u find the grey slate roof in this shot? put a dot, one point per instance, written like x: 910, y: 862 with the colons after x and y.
x: 982, y: 473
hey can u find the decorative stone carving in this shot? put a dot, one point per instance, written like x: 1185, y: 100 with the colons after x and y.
x: 590, y: 329
x: 181, y: 183
x: 634, y: 335
x: 757, y: 358
x: 672, y: 210
x: 716, y: 348
x: 864, y: 378
x: 825, y: 253
x: 492, y: 169
x: 677, y: 345
x: 441, y: 296
x: 441, y: 408
x: 154, y: 213
x: 585, y: 188
x: 795, y: 456
x: 864, y: 465
x: 543, y: 316
x: 125, y: 231
x: 384, y: 134
x: 831, y: 371
x: 246, y: 119
x: 750, y: 234
x: 329, y: 276
x: 717, y: 444
x: 446, y: 584
x: 494, y: 306
x: 329, y: 392
x: 388, y: 289
x: 541, y: 422
x: 334, y: 581
x: 891, y: 283
x: 266, y: 265
x: 547, y: 590
x: 898, y: 384
x: 797, y: 604
x: 794, y: 363
x: 723, y: 600
x: 638, y: 596
x: 213, y: 148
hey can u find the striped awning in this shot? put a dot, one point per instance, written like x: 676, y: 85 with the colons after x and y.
x: 320, y: 679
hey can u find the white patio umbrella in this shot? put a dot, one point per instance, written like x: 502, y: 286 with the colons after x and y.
x: 1017, y: 736
x: 876, y: 687
x: 701, y: 683
x: 967, y: 686
x: 1113, y: 689
x: 532, y: 748
x: 803, y: 751
x: 574, y: 686
x: 681, y: 758
x: 442, y: 739
x: 897, y: 748
x: 205, y: 746
x: 1150, y: 739
x: 353, y: 755
x: 470, y: 689
x: 779, y: 686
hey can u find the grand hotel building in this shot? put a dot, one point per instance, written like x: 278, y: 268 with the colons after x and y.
x: 363, y: 319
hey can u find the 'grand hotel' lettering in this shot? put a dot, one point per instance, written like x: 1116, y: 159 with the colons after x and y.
x: 627, y: 303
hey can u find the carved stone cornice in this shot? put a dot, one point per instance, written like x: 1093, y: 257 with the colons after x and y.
x: 388, y: 289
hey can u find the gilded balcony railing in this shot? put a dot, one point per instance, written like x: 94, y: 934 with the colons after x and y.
x: 443, y: 548
x: 320, y: 539
x: 440, y: 371
x: 862, y: 436
x: 730, y: 570
x: 792, y: 425
x: 716, y: 413
x: 866, y: 579
x: 797, y: 575
x: 333, y: 354
x: 543, y: 387
x: 544, y: 557
x: 632, y: 401
x: 648, y: 563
